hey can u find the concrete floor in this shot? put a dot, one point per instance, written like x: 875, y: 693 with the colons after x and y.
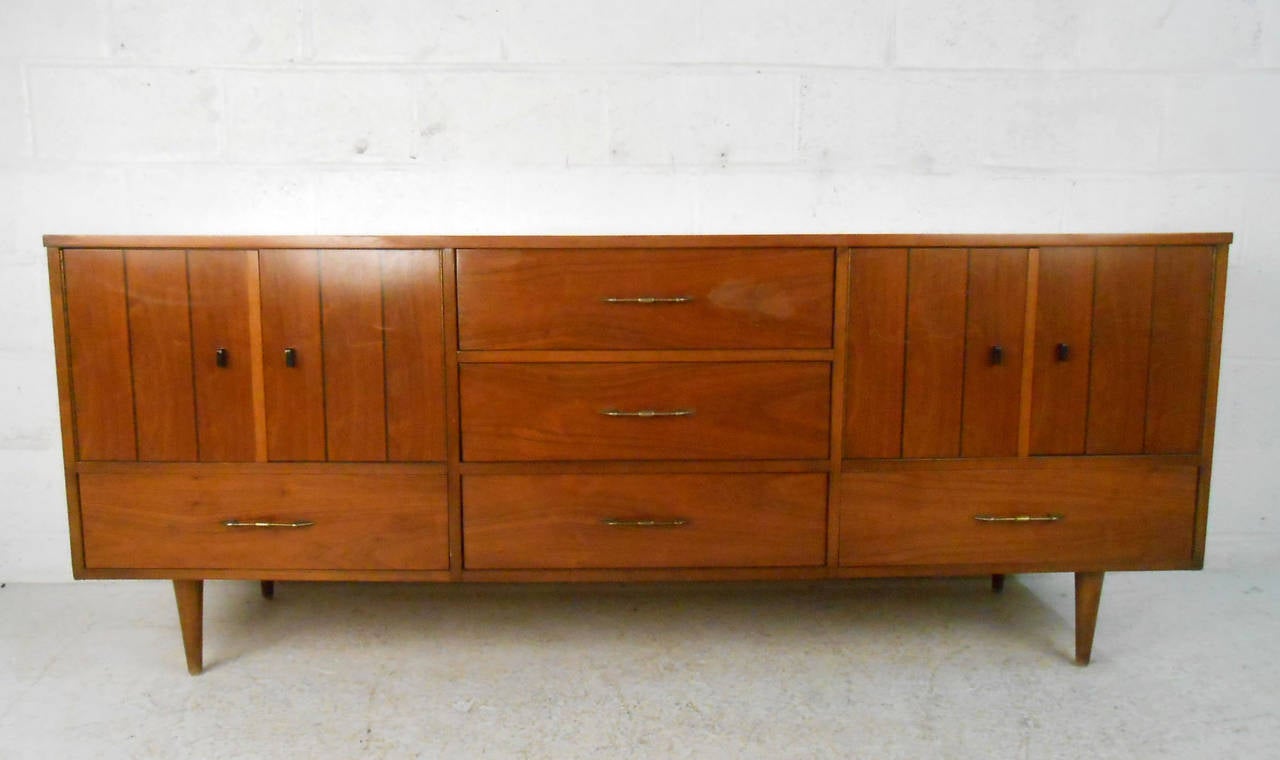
x: 1185, y: 665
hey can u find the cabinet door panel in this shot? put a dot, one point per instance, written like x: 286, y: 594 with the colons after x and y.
x: 1123, y: 279
x: 220, y: 313
x: 1060, y: 385
x: 414, y: 335
x: 877, y: 349
x: 355, y: 396
x: 937, y: 284
x: 993, y: 352
x: 1180, y: 309
x: 291, y: 321
x: 160, y: 333
x: 101, y: 380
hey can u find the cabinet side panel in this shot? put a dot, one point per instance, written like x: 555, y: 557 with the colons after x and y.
x: 1180, y: 309
x: 414, y: 338
x: 354, y: 381
x: 291, y: 322
x: 937, y: 282
x: 219, y: 282
x: 1123, y: 280
x: 100, y: 373
x: 995, y: 323
x: 876, y: 353
x: 160, y: 331
x: 1060, y: 385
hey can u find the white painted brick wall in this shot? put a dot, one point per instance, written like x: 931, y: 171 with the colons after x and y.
x: 679, y: 116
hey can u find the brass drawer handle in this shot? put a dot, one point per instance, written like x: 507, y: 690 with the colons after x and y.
x: 253, y: 524
x: 650, y: 299
x: 648, y: 413
x: 1018, y: 518
x: 614, y: 522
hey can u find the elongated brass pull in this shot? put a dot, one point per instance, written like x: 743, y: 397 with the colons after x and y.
x: 650, y: 299
x: 256, y: 524
x: 648, y: 413
x: 614, y: 522
x: 1018, y: 518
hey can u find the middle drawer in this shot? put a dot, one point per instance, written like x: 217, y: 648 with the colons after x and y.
x: 694, y: 410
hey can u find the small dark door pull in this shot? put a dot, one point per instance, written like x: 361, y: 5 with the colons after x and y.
x: 1064, y: 352
x: 997, y: 355
x: 220, y: 357
x: 290, y: 357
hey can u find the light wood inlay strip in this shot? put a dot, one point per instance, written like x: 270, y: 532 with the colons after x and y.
x: 1028, y: 352
x: 255, y: 359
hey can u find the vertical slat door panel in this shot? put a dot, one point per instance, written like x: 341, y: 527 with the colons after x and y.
x: 1119, y: 361
x: 355, y: 391
x: 1063, y: 321
x: 160, y: 332
x: 993, y: 351
x: 220, y: 304
x: 876, y: 351
x: 413, y: 314
x: 936, y: 288
x: 101, y: 380
x: 1182, y: 297
x: 291, y: 322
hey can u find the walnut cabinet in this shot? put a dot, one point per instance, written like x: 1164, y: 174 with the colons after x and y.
x: 456, y: 409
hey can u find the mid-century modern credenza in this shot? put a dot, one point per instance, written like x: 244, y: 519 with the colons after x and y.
x: 453, y: 409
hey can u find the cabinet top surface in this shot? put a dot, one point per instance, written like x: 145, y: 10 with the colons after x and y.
x: 628, y: 241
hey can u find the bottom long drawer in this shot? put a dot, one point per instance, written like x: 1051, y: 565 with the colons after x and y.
x: 644, y: 521
x: 285, y: 518
x: 1105, y: 514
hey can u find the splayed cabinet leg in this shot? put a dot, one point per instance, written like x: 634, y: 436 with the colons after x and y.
x: 997, y: 582
x: 190, y: 596
x: 268, y: 589
x: 1088, y: 595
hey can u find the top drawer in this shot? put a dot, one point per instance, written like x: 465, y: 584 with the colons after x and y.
x: 645, y: 299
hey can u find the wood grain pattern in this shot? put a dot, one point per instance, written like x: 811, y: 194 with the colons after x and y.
x: 933, y: 392
x: 1182, y: 299
x: 876, y: 351
x: 513, y: 412
x: 160, y: 336
x: 1211, y: 400
x: 839, y: 371
x: 1140, y: 513
x: 1028, y: 351
x: 556, y: 521
x: 1063, y: 316
x: 225, y: 424
x: 354, y: 378
x: 174, y: 519
x: 996, y: 317
x: 414, y: 349
x: 452, y: 410
x: 1123, y: 279
x: 555, y: 299
x: 295, y: 418
x: 98, y: 326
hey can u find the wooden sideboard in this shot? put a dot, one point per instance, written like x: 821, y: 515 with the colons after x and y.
x: 454, y: 409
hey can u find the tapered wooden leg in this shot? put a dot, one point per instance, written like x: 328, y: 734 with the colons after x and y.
x: 1088, y: 594
x: 190, y: 596
x: 268, y: 589
x: 997, y: 582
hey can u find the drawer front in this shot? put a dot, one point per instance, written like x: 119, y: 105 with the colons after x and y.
x: 644, y: 521
x: 597, y: 299
x: 730, y: 410
x: 1112, y: 514
x: 155, y: 519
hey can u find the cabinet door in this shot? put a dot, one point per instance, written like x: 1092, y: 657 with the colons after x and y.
x: 877, y: 351
x: 98, y: 336
x: 1181, y: 302
x: 1120, y: 360
x: 413, y: 329
x: 1063, y: 326
x: 993, y: 352
x: 223, y: 350
x: 291, y: 355
x: 937, y: 285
